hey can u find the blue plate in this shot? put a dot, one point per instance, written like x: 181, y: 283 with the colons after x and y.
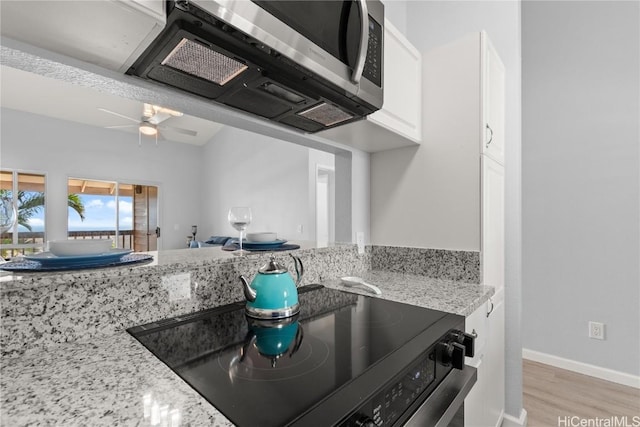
x: 263, y: 245
x: 27, y: 266
x: 47, y: 259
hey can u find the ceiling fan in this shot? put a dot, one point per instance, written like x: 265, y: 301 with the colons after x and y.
x: 151, y: 121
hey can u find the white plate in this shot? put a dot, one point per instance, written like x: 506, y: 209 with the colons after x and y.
x: 78, y: 247
x: 47, y: 259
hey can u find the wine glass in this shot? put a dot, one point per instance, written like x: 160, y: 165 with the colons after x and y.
x: 7, y: 215
x: 240, y: 218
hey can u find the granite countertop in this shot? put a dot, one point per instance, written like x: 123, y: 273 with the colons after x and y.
x: 116, y: 381
x: 163, y: 261
x: 438, y: 294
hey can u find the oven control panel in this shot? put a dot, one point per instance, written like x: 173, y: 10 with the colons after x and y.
x: 388, y: 405
x: 393, y: 405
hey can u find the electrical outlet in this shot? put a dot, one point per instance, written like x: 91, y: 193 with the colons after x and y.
x: 178, y: 286
x: 596, y: 330
x: 300, y: 229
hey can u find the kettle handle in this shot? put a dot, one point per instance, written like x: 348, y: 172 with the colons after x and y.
x: 299, y: 268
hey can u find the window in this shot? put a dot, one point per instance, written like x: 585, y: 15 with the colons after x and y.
x: 26, y: 192
x: 105, y: 209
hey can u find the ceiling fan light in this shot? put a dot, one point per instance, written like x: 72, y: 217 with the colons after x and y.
x: 148, y: 129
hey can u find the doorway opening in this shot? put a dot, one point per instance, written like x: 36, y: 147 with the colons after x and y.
x: 325, y: 201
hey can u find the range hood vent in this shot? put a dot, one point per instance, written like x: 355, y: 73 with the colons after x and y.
x: 198, y: 60
x: 326, y: 114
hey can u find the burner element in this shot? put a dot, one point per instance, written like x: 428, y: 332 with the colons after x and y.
x: 249, y: 363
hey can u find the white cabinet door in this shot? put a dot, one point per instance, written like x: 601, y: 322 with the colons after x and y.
x: 399, y: 122
x: 493, y: 102
x: 492, y: 223
x: 494, y: 362
x: 402, y: 108
x: 110, y: 34
x: 475, y: 414
x: 484, y: 405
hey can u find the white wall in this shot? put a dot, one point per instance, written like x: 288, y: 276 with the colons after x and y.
x: 434, y: 23
x: 361, y: 195
x: 63, y: 149
x: 581, y: 118
x: 429, y: 196
x: 396, y: 12
x: 240, y: 168
x: 197, y: 184
x: 317, y: 159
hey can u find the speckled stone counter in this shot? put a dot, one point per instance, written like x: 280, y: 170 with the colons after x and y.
x: 43, y: 310
x: 108, y: 382
x: 439, y: 294
x: 68, y: 361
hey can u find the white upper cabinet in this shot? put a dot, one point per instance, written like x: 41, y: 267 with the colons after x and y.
x: 399, y: 122
x: 493, y: 96
x: 111, y: 34
x: 402, y: 108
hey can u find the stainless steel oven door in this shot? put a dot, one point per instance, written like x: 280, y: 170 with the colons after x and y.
x: 444, y: 407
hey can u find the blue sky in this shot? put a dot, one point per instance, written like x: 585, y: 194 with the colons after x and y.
x: 100, y: 214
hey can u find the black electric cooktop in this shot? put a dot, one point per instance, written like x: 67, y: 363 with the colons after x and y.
x: 270, y: 373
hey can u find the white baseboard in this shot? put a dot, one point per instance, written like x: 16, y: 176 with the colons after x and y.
x: 583, y: 368
x: 510, y: 421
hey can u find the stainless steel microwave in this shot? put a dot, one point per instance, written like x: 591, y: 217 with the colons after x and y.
x: 311, y: 65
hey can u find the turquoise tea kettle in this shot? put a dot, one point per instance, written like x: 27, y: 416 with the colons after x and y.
x: 273, y: 294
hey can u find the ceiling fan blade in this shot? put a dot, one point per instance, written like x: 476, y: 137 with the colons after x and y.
x: 119, y: 115
x: 179, y: 130
x: 120, y: 126
x: 158, y: 117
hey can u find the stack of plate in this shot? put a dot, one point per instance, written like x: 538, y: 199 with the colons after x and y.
x: 263, y: 240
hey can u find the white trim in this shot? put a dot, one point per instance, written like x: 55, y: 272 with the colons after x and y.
x: 583, y: 368
x: 331, y: 173
x: 511, y: 421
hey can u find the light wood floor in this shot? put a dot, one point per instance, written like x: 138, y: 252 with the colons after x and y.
x: 551, y: 392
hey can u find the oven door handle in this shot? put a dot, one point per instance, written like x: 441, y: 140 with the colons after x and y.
x: 445, y: 401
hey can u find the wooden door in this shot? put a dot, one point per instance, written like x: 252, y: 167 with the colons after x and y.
x: 145, y: 218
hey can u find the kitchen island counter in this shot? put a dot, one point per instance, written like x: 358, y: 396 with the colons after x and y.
x: 115, y: 381
x: 111, y: 381
x: 438, y: 294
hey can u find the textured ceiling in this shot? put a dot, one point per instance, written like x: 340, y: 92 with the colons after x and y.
x: 20, y: 90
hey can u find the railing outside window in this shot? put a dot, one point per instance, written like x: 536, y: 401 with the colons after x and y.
x: 33, y: 242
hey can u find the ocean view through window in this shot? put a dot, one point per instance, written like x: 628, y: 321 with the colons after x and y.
x: 106, y: 211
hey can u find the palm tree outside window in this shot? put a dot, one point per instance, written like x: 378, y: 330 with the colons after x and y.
x: 27, y: 193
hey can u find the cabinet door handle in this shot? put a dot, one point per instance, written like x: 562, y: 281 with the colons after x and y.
x: 490, y: 136
x: 491, y: 309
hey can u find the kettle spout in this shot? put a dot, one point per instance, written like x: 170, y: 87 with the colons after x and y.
x: 249, y: 292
